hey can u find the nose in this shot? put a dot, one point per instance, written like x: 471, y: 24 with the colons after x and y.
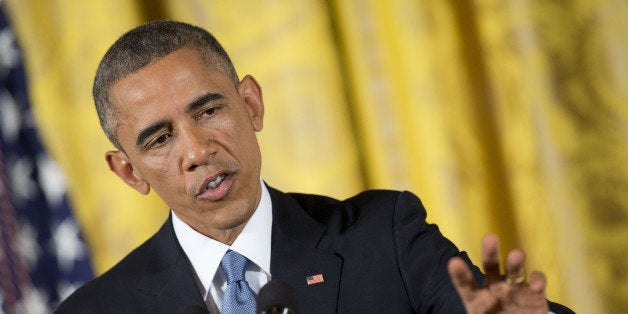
x: 197, y: 148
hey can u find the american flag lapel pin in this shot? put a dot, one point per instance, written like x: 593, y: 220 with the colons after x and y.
x: 312, y: 280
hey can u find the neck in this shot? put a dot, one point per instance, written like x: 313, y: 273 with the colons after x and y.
x: 223, y: 236
x: 227, y: 234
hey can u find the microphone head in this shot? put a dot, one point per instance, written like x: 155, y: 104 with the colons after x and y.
x: 277, y: 296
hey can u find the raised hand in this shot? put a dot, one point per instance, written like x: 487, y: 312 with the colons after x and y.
x: 500, y: 294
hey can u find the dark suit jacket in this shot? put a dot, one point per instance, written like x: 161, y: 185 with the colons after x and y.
x: 375, y: 252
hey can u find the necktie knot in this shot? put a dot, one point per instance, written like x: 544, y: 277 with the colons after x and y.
x: 238, y: 297
x: 234, y: 266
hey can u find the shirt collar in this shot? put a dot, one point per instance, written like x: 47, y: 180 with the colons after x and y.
x: 254, y: 242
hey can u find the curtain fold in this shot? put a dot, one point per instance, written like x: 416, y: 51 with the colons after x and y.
x: 504, y: 116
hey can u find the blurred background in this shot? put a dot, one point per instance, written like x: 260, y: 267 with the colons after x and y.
x: 504, y: 116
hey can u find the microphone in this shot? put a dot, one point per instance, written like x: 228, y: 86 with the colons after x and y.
x: 277, y: 297
x: 192, y: 309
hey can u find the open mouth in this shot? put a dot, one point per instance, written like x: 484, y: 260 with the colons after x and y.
x: 216, y: 188
x: 214, y: 184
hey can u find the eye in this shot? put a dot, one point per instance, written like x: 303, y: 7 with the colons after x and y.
x: 208, y: 112
x: 159, y: 141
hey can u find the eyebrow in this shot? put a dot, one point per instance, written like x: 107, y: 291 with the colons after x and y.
x: 203, y: 99
x: 149, y: 131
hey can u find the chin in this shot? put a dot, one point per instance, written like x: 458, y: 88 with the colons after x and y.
x: 234, y: 222
x: 227, y: 219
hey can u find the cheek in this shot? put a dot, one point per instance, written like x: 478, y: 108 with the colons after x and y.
x: 239, y: 135
x: 159, y: 165
x: 247, y: 145
x: 252, y: 157
x: 161, y: 171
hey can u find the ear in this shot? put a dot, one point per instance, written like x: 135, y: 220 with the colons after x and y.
x: 251, y: 93
x: 120, y: 164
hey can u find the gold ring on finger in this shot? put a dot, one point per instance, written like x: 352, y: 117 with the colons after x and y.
x: 519, y: 280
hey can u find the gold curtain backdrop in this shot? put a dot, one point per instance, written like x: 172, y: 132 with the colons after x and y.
x: 505, y: 116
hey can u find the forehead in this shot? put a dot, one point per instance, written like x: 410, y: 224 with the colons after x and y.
x: 172, y: 78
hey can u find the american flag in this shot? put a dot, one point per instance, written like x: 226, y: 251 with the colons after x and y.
x: 43, y: 257
x: 318, y: 278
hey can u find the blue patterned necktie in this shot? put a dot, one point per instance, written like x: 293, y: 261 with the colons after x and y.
x: 238, y: 298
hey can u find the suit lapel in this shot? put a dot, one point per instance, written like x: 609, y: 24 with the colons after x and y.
x: 295, y: 257
x: 168, y: 281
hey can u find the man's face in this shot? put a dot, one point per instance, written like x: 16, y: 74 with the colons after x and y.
x: 188, y: 132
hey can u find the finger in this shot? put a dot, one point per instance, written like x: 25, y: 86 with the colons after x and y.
x: 537, y: 282
x: 490, y: 258
x: 515, y: 266
x: 483, y: 302
x: 462, y: 278
x: 530, y: 296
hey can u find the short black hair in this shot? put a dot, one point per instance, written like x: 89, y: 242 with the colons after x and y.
x: 142, y: 46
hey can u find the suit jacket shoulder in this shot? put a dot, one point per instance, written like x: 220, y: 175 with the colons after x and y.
x: 156, y: 277
x: 337, y: 215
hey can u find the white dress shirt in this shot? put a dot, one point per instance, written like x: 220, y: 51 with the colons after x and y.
x: 205, y: 253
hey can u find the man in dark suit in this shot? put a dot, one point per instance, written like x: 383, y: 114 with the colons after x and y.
x: 183, y: 124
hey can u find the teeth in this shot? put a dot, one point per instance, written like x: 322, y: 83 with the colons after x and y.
x: 214, y: 184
